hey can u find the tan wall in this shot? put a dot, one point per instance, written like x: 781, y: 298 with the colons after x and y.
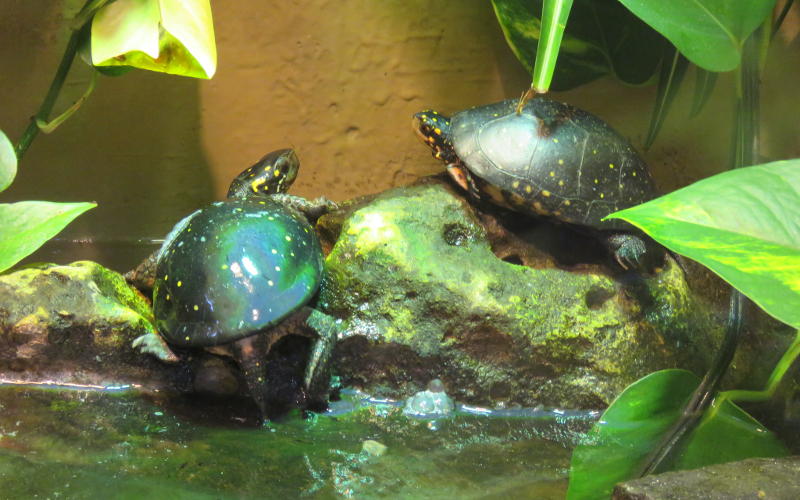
x: 336, y: 79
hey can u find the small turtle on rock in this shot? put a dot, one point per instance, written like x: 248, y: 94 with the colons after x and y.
x: 240, y: 273
x: 550, y: 159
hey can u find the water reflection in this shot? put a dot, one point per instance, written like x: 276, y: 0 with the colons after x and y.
x: 90, y: 444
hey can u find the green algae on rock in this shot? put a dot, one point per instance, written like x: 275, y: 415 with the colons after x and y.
x: 73, y: 324
x: 414, y: 274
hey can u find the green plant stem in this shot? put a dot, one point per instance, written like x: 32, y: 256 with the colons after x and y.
x: 52, y: 94
x: 30, y: 133
x: 48, y: 127
x: 745, y: 152
x: 774, y: 381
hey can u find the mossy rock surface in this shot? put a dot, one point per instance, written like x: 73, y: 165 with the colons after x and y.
x: 414, y: 273
x: 74, y: 324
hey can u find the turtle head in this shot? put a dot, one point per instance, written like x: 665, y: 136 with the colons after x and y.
x: 434, y: 130
x: 273, y: 173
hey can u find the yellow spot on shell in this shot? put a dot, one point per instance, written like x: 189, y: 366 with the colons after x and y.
x: 167, y: 297
x: 610, y: 165
x: 256, y: 183
x: 515, y: 184
x: 196, y: 308
x: 528, y: 189
x: 555, y: 140
x: 288, y: 238
x: 545, y: 193
x: 567, y: 203
x: 560, y: 183
x: 277, y: 172
x: 602, y: 195
x: 187, y: 339
x: 634, y: 173
x: 597, y: 181
x: 560, y: 161
x: 594, y: 151
x: 437, y: 131
x: 552, y: 174
x: 224, y: 267
x: 180, y: 283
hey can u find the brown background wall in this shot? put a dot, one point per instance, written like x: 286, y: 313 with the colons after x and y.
x: 336, y: 79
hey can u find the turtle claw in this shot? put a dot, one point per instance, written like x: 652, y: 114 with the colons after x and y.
x: 152, y: 343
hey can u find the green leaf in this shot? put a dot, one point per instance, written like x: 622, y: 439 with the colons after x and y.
x: 8, y: 162
x: 703, y: 87
x: 727, y: 435
x: 673, y: 70
x: 710, y: 33
x: 741, y: 224
x: 554, y: 19
x: 27, y: 225
x: 633, y: 424
x: 601, y: 37
x: 169, y: 36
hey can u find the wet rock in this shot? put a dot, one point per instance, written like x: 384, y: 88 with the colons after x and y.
x: 215, y: 376
x: 373, y: 448
x: 74, y: 324
x: 768, y: 478
x: 427, y: 296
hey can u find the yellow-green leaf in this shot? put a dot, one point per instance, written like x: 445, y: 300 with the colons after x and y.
x: 710, y: 33
x: 27, y: 225
x: 8, y: 162
x: 743, y: 225
x: 169, y: 36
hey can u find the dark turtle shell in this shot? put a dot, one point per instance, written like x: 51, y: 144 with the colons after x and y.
x: 233, y: 269
x: 551, y: 159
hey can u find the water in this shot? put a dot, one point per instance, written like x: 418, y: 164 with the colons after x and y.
x: 68, y: 443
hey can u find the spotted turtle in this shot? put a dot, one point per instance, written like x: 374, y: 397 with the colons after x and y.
x: 549, y: 159
x: 240, y: 272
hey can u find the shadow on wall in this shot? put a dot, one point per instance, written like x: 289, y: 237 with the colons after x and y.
x: 134, y: 147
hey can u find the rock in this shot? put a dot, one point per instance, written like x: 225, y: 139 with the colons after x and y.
x: 414, y: 274
x: 373, y: 448
x: 767, y: 478
x: 74, y: 324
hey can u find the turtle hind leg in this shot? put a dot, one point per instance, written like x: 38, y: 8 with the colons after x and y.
x: 250, y: 354
x: 317, y: 373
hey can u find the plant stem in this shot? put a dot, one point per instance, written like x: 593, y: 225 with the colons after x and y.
x: 81, y: 20
x: 52, y: 94
x: 791, y: 354
x: 745, y: 152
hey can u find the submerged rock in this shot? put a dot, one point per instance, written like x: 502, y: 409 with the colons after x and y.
x: 772, y: 478
x: 414, y: 273
x: 74, y: 324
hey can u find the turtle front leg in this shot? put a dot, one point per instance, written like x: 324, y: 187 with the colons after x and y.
x: 143, y: 276
x: 312, y: 209
x: 633, y: 251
